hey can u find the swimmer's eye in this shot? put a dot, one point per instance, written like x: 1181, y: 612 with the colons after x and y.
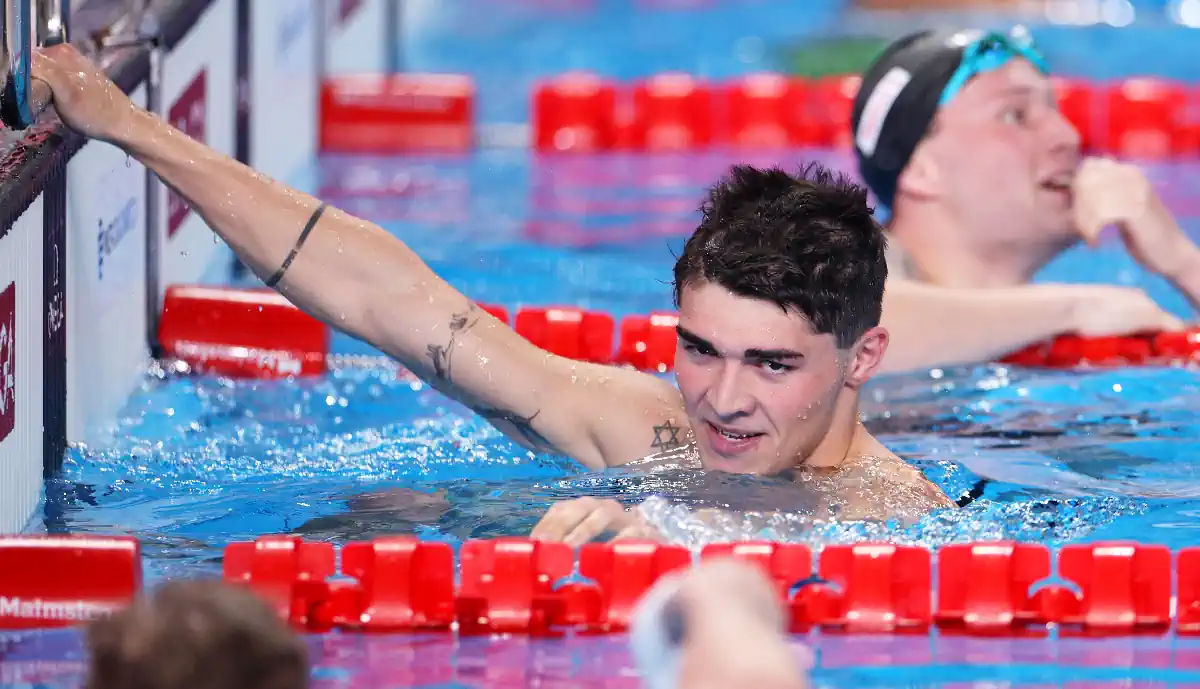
x: 1018, y: 116
x: 697, y: 349
x: 776, y: 367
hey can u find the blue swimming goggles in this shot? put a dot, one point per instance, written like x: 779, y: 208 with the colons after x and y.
x: 986, y: 51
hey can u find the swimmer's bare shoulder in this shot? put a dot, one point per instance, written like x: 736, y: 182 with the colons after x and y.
x: 643, y: 415
x: 884, y: 486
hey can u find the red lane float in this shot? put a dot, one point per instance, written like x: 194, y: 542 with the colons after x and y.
x: 516, y: 585
x: 521, y: 586
x: 241, y: 333
x: 569, y: 332
x: 672, y: 112
x: 399, y: 113
x: 59, y: 581
x: 574, y: 113
x: 1072, y: 350
x: 580, y: 112
x: 1143, y: 118
x: 257, y: 333
x: 765, y: 111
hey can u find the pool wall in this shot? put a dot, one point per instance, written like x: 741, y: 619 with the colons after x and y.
x: 89, y: 240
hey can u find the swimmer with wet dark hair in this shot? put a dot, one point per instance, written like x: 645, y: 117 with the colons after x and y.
x: 195, y: 635
x: 779, y: 291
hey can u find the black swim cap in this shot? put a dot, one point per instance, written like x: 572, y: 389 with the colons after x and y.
x: 903, y: 89
x: 896, y: 103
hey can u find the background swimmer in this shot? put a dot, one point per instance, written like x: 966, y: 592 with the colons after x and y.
x: 959, y: 134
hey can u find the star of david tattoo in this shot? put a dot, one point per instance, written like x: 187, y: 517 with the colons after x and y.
x: 666, y: 437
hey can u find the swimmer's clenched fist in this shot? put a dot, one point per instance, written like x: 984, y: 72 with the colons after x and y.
x: 779, y: 292
x: 1109, y: 193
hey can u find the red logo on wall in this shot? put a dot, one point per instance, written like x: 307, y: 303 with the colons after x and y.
x: 346, y: 8
x: 8, y: 359
x: 187, y: 115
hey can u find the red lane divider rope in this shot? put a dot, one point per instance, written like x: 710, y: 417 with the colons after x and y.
x: 257, y: 333
x: 61, y: 581
x: 579, y: 112
x: 521, y: 586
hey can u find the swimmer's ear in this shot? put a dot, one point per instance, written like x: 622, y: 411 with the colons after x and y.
x: 866, y: 356
x: 921, y: 178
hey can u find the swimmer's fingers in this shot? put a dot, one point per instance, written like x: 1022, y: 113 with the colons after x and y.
x: 562, y: 518
x: 1089, y: 226
x: 603, y: 518
x: 1092, y: 198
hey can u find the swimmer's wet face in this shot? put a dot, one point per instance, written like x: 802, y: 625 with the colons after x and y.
x: 779, y: 293
x: 1001, y: 156
x: 760, y: 387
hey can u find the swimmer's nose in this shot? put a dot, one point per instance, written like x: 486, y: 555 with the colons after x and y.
x: 728, y: 397
x: 1062, y: 136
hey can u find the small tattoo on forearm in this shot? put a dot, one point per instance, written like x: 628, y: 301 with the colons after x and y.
x: 441, y: 355
x: 666, y: 437
x: 522, y: 424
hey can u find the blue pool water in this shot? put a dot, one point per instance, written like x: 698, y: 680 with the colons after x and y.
x: 195, y: 463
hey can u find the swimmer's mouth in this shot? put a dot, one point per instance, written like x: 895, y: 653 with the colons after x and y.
x: 1058, y: 184
x: 733, y: 435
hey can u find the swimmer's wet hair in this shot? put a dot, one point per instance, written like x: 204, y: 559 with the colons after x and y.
x: 807, y: 242
x: 196, y: 635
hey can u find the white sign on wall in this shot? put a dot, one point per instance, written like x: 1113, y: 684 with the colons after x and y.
x: 356, y: 38
x: 22, y: 321
x: 199, y: 98
x: 284, y: 61
x: 106, y: 285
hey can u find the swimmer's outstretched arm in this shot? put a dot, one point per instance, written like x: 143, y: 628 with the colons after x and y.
x: 360, y: 279
x: 934, y: 326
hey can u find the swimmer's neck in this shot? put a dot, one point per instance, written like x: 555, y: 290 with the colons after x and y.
x: 936, y: 249
x: 847, y: 440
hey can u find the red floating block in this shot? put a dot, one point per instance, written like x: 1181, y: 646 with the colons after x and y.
x: 407, y: 584
x: 884, y: 588
x: 1143, y: 117
x: 575, y: 112
x: 649, y: 343
x: 765, y: 111
x: 1188, y: 124
x: 672, y: 112
x: 568, y: 332
x: 62, y: 581
x: 1125, y: 587
x: 507, y: 585
x: 1071, y: 350
x: 498, y: 312
x: 400, y: 113
x: 786, y: 564
x: 1182, y: 346
x: 828, y: 107
x: 242, y: 333
x: 286, y: 571
x: 1187, y: 605
x: 623, y: 572
x: 1076, y: 101
x: 983, y: 588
